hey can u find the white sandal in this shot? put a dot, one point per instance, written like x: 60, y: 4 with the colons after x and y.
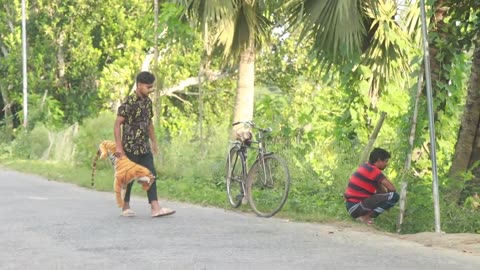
x: 128, y: 213
x: 164, y: 212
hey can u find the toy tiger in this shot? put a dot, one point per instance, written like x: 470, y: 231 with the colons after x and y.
x: 126, y: 171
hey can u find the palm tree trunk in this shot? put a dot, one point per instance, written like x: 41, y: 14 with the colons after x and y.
x: 467, y: 149
x: 439, y: 58
x: 244, y: 101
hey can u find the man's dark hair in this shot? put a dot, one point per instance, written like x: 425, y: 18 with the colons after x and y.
x: 378, y: 154
x: 145, y: 77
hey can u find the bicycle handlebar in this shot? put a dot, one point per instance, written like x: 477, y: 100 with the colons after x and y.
x: 252, y: 125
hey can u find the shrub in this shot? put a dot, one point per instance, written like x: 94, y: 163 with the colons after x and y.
x: 32, y: 144
x: 184, y: 157
x: 93, y: 131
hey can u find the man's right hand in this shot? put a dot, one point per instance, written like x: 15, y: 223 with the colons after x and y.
x: 118, y: 139
x: 388, y: 185
x: 381, y: 189
x: 119, y: 151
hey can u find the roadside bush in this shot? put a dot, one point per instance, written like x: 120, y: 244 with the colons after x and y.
x: 92, y: 132
x: 5, y: 143
x: 458, y: 219
x: 184, y: 157
x: 31, y: 144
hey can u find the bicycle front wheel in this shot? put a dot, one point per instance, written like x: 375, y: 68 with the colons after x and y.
x: 235, y: 173
x: 268, y: 184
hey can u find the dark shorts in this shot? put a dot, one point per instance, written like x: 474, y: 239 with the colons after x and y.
x: 377, y: 203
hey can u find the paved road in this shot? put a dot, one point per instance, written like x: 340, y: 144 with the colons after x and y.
x: 51, y: 225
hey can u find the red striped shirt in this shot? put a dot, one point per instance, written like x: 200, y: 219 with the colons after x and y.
x: 363, y: 183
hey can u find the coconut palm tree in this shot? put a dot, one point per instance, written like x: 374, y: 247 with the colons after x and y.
x: 238, y: 28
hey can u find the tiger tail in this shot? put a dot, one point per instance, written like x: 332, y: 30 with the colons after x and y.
x: 102, y: 153
x: 94, y: 167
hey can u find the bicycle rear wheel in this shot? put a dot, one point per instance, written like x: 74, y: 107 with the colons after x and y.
x: 268, y: 184
x: 235, y: 172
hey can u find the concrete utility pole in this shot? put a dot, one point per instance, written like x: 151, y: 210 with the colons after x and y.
x: 433, y: 151
x: 24, y: 66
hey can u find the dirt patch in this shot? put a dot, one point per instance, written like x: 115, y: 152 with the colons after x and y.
x: 462, y: 242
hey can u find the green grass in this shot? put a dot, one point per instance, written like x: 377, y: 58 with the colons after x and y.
x: 51, y: 170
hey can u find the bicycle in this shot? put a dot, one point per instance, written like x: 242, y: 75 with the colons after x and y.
x: 266, y: 184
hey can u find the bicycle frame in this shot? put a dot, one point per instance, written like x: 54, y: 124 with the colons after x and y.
x: 261, y: 149
x: 264, y: 171
x: 243, y: 149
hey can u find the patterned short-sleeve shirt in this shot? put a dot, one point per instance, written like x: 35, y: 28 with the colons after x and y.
x: 138, y: 113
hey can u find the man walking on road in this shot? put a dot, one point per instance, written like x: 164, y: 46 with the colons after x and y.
x: 133, y: 133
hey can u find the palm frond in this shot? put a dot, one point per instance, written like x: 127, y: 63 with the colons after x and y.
x: 387, y: 52
x: 413, y: 22
x: 233, y: 23
x: 335, y: 26
x: 246, y: 24
x: 206, y: 10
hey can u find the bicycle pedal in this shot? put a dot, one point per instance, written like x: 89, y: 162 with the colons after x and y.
x: 241, y: 197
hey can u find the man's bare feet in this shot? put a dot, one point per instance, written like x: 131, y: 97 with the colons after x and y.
x: 366, y: 219
x: 155, y: 207
x: 126, y: 211
x: 126, y: 205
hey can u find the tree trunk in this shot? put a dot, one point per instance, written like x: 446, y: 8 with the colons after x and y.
x: 467, y: 148
x: 195, y: 81
x: 439, y: 58
x: 244, y: 101
x: 6, y: 88
x: 203, y: 70
x: 61, y: 59
x: 372, y: 139
x: 158, y: 103
x: 7, y: 105
x: 7, y: 113
x: 408, y: 161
